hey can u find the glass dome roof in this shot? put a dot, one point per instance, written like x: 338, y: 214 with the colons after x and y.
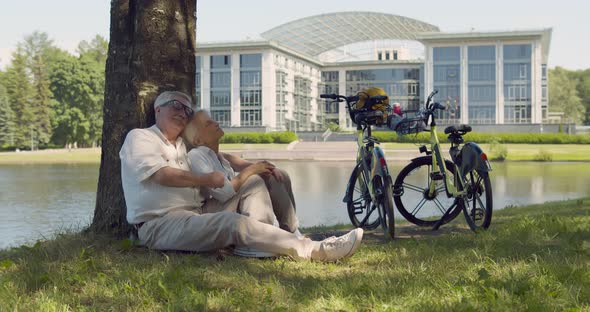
x: 320, y: 33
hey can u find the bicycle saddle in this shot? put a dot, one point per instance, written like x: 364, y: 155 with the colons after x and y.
x: 461, y: 129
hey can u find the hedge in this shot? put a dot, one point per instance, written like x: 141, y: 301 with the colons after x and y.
x: 258, y: 137
x: 522, y: 138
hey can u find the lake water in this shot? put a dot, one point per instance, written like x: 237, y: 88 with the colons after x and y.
x: 38, y: 200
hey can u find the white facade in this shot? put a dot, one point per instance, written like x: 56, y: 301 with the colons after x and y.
x: 486, y: 78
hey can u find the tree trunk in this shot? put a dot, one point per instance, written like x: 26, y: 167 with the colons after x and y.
x: 151, y: 49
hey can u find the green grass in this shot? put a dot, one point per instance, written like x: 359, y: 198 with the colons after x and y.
x: 533, y: 258
x: 61, y: 156
x: 518, y: 152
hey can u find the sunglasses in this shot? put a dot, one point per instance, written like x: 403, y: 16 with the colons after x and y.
x: 178, y: 106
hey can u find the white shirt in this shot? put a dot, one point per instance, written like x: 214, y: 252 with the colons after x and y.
x: 144, y: 152
x: 203, y: 160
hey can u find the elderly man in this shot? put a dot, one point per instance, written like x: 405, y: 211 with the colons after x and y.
x: 164, y: 203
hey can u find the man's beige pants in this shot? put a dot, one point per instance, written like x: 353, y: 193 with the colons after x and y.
x: 244, y: 221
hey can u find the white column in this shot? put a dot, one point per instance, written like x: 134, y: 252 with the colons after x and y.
x: 315, y: 94
x: 464, y: 86
x: 499, y: 83
x: 342, y: 110
x: 428, y: 71
x: 235, y: 90
x: 268, y: 80
x: 536, y: 81
x: 206, y: 81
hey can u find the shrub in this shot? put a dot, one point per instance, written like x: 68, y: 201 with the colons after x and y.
x: 518, y: 138
x: 544, y: 155
x: 498, y: 150
x: 257, y: 137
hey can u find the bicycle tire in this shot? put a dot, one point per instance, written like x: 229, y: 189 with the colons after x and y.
x: 360, y: 203
x: 388, y: 216
x: 437, y: 205
x: 478, y: 212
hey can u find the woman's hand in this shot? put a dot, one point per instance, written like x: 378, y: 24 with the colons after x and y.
x: 262, y: 168
x: 276, y: 172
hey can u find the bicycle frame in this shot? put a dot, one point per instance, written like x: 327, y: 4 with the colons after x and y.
x: 438, y: 162
x: 377, y: 166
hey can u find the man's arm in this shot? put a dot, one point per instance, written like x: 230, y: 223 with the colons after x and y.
x: 173, y: 177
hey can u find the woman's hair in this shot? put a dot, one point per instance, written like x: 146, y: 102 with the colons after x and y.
x: 190, y: 131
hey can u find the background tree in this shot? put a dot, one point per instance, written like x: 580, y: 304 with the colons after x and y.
x: 77, y: 85
x: 20, y: 95
x: 38, y: 48
x: 151, y: 49
x: 7, y: 126
x: 563, y: 95
x: 583, y: 86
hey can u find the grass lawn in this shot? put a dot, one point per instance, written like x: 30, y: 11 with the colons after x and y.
x: 517, y: 152
x: 532, y: 258
x: 92, y: 155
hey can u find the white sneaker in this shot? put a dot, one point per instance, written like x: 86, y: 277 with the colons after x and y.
x: 250, y: 252
x: 335, y: 248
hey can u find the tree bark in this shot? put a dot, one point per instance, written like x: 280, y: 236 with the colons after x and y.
x: 151, y: 49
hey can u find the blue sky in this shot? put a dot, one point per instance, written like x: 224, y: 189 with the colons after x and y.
x: 69, y: 21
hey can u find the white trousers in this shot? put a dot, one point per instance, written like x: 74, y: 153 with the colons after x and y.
x: 243, y: 221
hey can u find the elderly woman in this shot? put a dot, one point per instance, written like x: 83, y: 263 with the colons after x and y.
x: 260, y: 189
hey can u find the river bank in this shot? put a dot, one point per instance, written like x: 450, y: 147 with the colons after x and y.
x: 320, y: 151
x: 532, y: 258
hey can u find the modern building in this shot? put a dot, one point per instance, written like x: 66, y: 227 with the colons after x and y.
x: 485, y: 78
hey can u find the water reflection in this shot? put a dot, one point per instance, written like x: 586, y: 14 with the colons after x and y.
x: 37, y: 200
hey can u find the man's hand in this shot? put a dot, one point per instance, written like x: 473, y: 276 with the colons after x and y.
x: 214, y: 179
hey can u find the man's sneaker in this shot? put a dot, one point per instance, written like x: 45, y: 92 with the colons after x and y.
x: 335, y: 248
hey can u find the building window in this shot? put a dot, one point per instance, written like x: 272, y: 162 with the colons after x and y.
x: 250, y: 78
x: 380, y: 55
x: 222, y: 117
x: 250, y: 60
x: 250, y: 98
x: 522, y: 71
x: 220, y: 61
x: 250, y: 117
x: 220, y: 79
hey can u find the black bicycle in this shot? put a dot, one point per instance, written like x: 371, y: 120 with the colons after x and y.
x: 369, y: 188
x: 430, y: 190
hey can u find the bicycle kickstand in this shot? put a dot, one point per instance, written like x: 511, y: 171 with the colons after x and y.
x: 444, y: 216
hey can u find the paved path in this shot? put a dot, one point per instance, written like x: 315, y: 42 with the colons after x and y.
x: 322, y: 151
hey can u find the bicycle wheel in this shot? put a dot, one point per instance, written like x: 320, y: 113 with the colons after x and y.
x: 361, y: 210
x: 386, y: 209
x: 478, y: 200
x: 410, y: 193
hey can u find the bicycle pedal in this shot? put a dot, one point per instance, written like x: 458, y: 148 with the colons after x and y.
x: 436, y: 176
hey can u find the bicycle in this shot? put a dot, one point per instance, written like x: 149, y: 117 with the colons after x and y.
x: 370, y: 184
x: 464, y: 181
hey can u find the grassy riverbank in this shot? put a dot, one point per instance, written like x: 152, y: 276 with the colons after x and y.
x: 533, y: 258
x: 514, y: 152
